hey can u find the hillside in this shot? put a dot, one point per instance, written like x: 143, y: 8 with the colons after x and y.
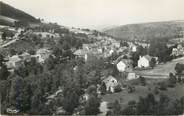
x: 9, y: 12
x: 147, y: 31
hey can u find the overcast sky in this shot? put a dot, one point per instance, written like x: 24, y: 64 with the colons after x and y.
x: 96, y: 13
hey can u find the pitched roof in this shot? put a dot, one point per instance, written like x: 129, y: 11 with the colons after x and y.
x: 106, y: 80
x: 80, y: 52
x: 148, y: 57
x: 42, y: 51
x: 14, y: 58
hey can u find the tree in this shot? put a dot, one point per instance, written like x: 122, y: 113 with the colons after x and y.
x: 103, y: 88
x: 172, y: 80
x: 131, y: 89
x: 37, y: 101
x: 92, y: 105
x: 158, y: 48
x: 91, y: 90
x: 147, y: 105
x: 130, y: 109
x: 142, y: 80
x: 20, y: 94
x: 71, y: 101
x: 4, y: 35
x: 153, y: 62
x: 1, y: 60
x: 135, y: 58
x: 4, y: 73
x: 71, y: 95
x: 163, y: 104
x: 4, y: 87
x: 162, y: 86
x: 179, y: 68
x: 116, y: 108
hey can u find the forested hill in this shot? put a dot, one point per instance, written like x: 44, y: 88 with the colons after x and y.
x: 13, y: 13
x: 147, y: 31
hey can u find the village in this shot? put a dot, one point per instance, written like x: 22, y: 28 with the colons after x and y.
x: 47, y: 68
x: 102, y: 47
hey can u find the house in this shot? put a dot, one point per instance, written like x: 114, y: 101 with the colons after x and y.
x: 134, y: 48
x: 144, y: 61
x: 25, y: 56
x: 111, y: 52
x: 14, y: 62
x: 81, y: 53
x: 131, y: 75
x: 42, y: 54
x: 174, y: 52
x: 12, y: 110
x: 124, y: 65
x: 85, y: 46
x: 178, y: 51
x: 110, y: 83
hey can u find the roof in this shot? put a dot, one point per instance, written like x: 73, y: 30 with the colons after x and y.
x: 14, y: 58
x: 42, y: 51
x: 80, y: 52
x: 125, y: 61
x: 148, y: 57
x: 25, y: 54
x: 109, y: 78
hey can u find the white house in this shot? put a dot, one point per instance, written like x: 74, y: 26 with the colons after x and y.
x: 121, y: 66
x: 110, y: 83
x: 25, y: 56
x: 124, y: 65
x: 14, y: 61
x: 174, y: 52
x: 178, y: 51
x: 131, y: 75
x: 81, y: 53
x: 144, y: 61
x: 42, y: 55
x: 134, y: 48
x: 111, y: 51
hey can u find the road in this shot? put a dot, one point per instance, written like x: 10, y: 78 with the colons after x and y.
x: 6, y: 44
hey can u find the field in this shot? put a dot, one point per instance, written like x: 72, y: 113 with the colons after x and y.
x: 124, y: 97
x: 161, y: 70
x: 153, y: 76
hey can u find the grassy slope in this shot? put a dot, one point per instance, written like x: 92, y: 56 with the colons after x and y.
x: 173, y: 93
x: 11, y: 12
x: 161, y: 70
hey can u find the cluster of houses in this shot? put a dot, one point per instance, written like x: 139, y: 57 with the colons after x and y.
x: 104, y: 47
x: 16, y: 61
x: 125, y: 66
x: 178, y: 51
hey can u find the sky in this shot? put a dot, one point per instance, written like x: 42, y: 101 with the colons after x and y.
x: 101, y: 13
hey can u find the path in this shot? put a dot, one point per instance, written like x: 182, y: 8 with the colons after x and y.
x: 10, y: 42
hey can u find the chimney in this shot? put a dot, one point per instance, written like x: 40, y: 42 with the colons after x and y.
x: 140, y: 57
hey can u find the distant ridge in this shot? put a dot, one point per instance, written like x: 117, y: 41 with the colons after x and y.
x: 14, y: 14
x: 147, y: 31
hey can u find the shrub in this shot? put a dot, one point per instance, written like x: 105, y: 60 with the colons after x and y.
x: 162, y: 86
x: 179, y: 80
x: 131, y: 89
x: 142, y: 81
x: 156, y: 90
x: 117, y: 88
